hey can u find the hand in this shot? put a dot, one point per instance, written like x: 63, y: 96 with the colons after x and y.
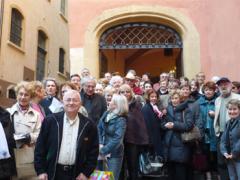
x: 211, y: 113
x: 169, y: 125
x: 81, y: 177
x: 228, y: 156
x: 43, y: 176
x: 164, y: 111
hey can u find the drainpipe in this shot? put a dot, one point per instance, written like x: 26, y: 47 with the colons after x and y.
x: 1, y: 21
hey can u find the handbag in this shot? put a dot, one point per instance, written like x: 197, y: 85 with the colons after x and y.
x: 24, y: 158
x: 192, y: 135
x: 102, y: 175
x: 151, y: 165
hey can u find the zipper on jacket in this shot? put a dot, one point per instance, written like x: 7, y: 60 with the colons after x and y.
x: 57, y: 151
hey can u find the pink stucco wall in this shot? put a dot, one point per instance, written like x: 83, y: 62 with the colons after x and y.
x: 217, y: 21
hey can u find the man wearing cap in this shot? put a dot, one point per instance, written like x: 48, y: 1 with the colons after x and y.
x: 221, y: 117
x: 130, y: 79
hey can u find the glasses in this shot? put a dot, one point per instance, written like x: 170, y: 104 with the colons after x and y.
x: 123, y: 92
x: 73, y: 100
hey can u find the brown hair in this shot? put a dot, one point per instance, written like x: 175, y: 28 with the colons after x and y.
x: 210, y: 85
x: 151, y: 91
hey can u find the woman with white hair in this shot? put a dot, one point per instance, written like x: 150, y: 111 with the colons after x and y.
x: 116, y: 82
x: 111, y: 131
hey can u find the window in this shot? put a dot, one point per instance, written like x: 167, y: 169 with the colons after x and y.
x: 16, y: 27
x: 63, y: 7
x: 61, y: 60
x: 41, y: 55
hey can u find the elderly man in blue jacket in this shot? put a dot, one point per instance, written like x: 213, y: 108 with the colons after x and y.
x: 67, y: 146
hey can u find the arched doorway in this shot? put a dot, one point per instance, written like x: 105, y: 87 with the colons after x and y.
x: 171, y: 17
x: 145, y: 47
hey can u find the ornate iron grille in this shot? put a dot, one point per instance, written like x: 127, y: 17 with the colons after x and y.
x: 140, y: 36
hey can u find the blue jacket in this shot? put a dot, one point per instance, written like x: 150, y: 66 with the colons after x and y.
x: 174, y: 149
x: 49, y: 143
x: 209, y: 133
x: 230, y: 140
x: 111, y: 135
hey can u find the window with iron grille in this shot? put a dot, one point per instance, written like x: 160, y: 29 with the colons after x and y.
x: 63, y: 6
x: 41, y: 55
x: 140, y: 36
x: 61, y: 60
x: 16, y: 27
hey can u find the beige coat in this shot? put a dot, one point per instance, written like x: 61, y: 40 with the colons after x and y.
x: 28, y: 122
x: 217, y: 111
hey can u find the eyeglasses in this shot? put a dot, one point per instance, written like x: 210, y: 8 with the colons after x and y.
x: 68, y: 100
x: 123, y: 92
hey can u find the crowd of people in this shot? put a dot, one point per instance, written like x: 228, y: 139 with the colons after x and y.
x: 67, y: 131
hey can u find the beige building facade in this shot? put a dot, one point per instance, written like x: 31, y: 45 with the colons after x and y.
x: 34, y: 41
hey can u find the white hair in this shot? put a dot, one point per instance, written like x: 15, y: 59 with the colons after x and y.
x: 121, y: 104
x: 87, y: 79
x: 116, y: 78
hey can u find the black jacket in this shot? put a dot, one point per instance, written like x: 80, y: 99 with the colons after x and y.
x: 7, y: 166
x: 230, y: 140
x: 174, y: 148
x: 95, y: 105
x: 49, y: 142
x: 153, y: 124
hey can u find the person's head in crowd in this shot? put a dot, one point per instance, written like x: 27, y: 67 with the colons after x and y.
x: 224, y: 86
x: 130, y: 79
x: 164, y: 76
x: 146, y: 77
x: 116, y: 82
x: 51, y: 87
x: 88, y: 84
x: 99, y: 89
x: 171, y: 76
x: 209, y: 89
x: 185, y: 91
x: 71, y: 103
x: 132, y: 71
x: 108, y: 76
x: 163, y: 89
x: 23, y: 92
x: 175, y: 98
x: 118, y: 105
x: 200, y: 77
x: 173, y: 86
x: 183, y: 80
x: 104, y: 82
x: 66, y: 86
x: 76, y: 79
x: 215, y: 79
x: 141, y: 85
x: 85, y: 72
x: 147, y: 87
x: 108, y: 93
x: 152, y: 97
x: 37, y: 91
x: 233, y: 107
x: 194, y: 85
x: 127, y: 91
x: 236, y: 87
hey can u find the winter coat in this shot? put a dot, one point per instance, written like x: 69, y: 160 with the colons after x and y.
x: 153, y: 123
x: 111, y: 135
x: 49, y: 143
x: 7, y: 166
x: 174, y: 148
x: 209, y: 134
x: 230, y: 139
x: 95, y: 105
x: 136, y: 132
x: 195, y: 109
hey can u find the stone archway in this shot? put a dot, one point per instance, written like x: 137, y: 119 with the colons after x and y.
x: 155, y: 14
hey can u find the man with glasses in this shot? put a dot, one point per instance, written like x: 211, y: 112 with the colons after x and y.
x: 67, y: 147
x: 95, y: 104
